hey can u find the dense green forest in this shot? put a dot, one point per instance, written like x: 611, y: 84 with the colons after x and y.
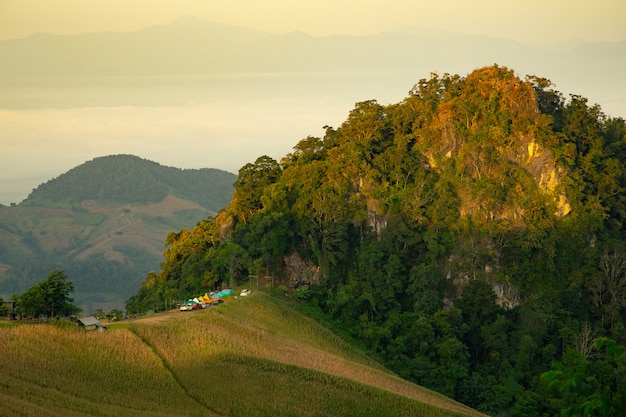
x: 471, y: 237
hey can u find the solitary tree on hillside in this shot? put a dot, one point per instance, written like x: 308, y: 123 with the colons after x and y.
x: 51, y: 297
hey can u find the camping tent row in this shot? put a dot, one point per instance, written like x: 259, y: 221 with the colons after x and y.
x: 214, y: 298
x: 218, y: 297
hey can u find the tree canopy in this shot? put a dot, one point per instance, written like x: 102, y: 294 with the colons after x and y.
x: 49, y: 298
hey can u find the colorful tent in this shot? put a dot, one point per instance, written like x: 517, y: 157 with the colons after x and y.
x: 223, y: 296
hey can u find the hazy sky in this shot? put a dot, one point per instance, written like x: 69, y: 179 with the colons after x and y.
x: 524, y: 20
x: 38, y: 144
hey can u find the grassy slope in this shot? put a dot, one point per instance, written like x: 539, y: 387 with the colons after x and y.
x: 253, y: 356
x: 56, y: 230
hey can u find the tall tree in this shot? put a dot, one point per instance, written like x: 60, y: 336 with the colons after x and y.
x: 230, y: 259
x: 250, y: 185
x: 608, y: 288
x: 51, y: 297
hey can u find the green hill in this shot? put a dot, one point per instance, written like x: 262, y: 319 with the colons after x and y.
x: 254, y: 356
x: 129, y: 179
x: 104, y: 223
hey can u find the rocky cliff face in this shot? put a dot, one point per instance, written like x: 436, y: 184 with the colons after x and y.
x: 487, y: 137
x: 540, y: 162
x: 491, y: 141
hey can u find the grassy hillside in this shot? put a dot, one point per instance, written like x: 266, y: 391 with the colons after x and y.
x: 254, y: 356
x: 106, y: 249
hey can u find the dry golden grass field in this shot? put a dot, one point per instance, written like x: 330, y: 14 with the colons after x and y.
x: 253, y: 356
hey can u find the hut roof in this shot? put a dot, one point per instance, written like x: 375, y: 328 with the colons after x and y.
x: 89, y: 321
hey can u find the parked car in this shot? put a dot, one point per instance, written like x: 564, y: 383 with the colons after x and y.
x: 244, y: 293
x: 186, y: 307
x: 197, y: 306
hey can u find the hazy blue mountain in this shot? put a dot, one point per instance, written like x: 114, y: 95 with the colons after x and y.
x: 201, y: 60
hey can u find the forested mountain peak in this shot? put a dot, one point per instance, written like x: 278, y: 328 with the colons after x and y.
x: 470, y: 236
x: 491, y: 128
x: 484, y: 135
x: 128, y: 178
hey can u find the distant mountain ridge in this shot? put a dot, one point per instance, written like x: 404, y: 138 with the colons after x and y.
x: 190, y: 47
x: 104, y: 223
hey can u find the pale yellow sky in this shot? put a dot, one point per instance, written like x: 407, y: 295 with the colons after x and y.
x: 532, y: 21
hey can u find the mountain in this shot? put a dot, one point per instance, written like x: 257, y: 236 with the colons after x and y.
x: 104, y: 223
x: 129, y: 179
x: 471, y: 236
x: 255, y: 356
x: 196, y: 57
